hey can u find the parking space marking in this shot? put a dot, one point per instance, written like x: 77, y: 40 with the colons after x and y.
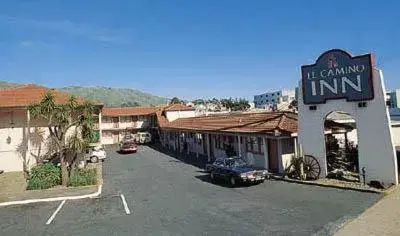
x: 55, y: 213
x: 128, y: 212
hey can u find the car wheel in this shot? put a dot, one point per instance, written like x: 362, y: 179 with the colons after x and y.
x: 94, y: 159
x: 232, y: 181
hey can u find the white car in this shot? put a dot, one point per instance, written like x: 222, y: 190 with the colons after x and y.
x: 95, y: 154
x: 143, y: 137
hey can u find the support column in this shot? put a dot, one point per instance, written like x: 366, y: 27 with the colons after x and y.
x: 187, y: 143
x: 266, y: 154
x: 346, y: 142
x: 239, y: 146
x: 208, y: 147
x: 100, y: 129
x: 280, y: 160
x: 296, y: 152
x: 28, y: 125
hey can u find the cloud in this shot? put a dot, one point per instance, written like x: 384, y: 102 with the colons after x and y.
x: 70, y: 28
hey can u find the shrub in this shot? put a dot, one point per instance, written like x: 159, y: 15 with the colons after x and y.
x: 44, y: 176
x: 82, y: 177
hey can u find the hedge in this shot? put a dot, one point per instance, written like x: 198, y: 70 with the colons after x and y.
x: 83, y: 177
x: 44, y: 176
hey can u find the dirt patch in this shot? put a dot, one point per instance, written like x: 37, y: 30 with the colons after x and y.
x: 11, y: 184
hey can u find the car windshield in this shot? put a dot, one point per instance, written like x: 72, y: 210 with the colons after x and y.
x: 237, y: 162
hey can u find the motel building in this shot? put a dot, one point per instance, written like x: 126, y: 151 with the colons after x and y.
x: 264, y: 140
x: 116, y: 122
x: 21, y: 136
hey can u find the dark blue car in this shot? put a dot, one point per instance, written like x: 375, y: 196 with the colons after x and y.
x: 235, y: 170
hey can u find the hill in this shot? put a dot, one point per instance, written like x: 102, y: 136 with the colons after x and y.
x: 116, y: 97
x: 111, y: 97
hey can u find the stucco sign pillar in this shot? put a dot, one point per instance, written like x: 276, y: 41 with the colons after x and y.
x: 341, y: 82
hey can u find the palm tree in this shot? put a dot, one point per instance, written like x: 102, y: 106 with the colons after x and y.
x: 60, y: 119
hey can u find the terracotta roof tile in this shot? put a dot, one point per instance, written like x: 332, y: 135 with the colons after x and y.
x: 26, y: 95
x: 129, y: 111
x: 178, y: 107
x: 265, y: 122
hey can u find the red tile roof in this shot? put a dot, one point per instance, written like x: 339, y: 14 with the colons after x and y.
x: 26, y: 95
x: 178, y: 107
x: 129, y: 111
x: 265, y: 122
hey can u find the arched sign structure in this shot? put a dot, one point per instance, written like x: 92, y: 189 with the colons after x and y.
x: 341, y: 82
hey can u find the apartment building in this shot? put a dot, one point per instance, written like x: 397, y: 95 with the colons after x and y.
x: 270, y: 100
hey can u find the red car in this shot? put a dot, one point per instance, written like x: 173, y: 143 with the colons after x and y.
x: 128, y: 146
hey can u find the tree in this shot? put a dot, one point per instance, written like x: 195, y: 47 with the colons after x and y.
x: 235, y: 104
x: 198, y: 102
x: 293, y: 105
x: 130, y: 104
x: 60, y: 119
x: 175, y: 100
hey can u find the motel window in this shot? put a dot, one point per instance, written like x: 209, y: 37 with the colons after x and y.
x: 273, y: 94
x: 249, y: 144
x: 287, y: 146
x: 106, y: 119
x: 219, y: 141
x: 273, y: 100
x: 134, y: 118
x: 126, y: 119
x: 266, y: 95
x: 198, y: 138
x: 277, y: 94
x: 260, y: 145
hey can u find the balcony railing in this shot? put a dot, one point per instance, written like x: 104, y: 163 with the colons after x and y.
x: 115, y: 125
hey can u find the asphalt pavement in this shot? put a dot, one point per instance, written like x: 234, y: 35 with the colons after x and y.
x: 151, y: 193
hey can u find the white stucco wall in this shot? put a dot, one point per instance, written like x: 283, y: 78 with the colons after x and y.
x: 376, y: 150
x: 396, y: 135
x: 173, y: 115
x: 12, y: 144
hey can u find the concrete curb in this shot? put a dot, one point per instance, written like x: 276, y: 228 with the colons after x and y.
x: 28, y: 201
x: 328, y: 185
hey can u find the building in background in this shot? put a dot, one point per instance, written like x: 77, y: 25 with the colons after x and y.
x: 275, y: 100
x: 393, y: 98
x: 116, y: 122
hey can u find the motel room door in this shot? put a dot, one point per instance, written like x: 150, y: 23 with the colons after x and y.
x: 273, y: 156
x: 115, y: 136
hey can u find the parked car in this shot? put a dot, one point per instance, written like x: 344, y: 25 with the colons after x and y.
x: 128, y: 146
x: 128, y: 138
x: 95, y: 154
x: 143, y: 137
x: 236, y: 171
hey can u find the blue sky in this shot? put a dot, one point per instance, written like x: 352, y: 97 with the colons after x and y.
x: 189, y: 48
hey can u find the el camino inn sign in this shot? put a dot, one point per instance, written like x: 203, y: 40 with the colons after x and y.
x: 338, y: 75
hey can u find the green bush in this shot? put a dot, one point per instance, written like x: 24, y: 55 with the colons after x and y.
x: 83, y: 177
x: 44, y: 176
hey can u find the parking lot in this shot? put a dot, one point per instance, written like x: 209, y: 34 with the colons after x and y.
x: 151, y: 193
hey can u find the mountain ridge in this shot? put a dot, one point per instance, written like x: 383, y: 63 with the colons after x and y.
x: 109, y: 96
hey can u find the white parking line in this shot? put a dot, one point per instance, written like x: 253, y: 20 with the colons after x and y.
x: 55, y: 213
x: 128, y: 212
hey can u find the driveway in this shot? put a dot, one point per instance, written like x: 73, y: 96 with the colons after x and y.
x: 165, y: 196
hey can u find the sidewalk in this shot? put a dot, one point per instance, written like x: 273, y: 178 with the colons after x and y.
x: 383, y: 218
